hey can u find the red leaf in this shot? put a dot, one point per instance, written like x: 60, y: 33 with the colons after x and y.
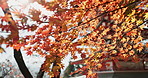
x: 29, y: 53
x: 75, y: 57
x: 83, y: 55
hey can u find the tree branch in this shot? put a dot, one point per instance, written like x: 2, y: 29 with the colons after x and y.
x: 103, y: 14
x: 99, y: 24
x: 21, y: 64
x: 17, y: 54
x: 41, y: 72
x: 59, y: 70
x: 134, y: 28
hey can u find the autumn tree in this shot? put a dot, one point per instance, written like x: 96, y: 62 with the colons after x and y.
x: 98, y: 30
x: 12, y: 27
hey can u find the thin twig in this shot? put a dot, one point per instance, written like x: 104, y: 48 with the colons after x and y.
x: 103, y: 14
x: 134, y: 28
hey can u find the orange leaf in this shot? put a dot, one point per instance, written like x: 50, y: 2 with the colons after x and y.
x: 64, y: 28
x: 146, y: 45
x: 135, y: 59
x: 35, y: 15
x: 131, y: 52
x: 17, y: 46
x: 1, y: 50
x: 99, y: 65
x: 45, y: 32
x: 123, y: 40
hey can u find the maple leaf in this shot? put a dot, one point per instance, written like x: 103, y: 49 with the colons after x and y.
x: 35, y: 15
x: 75, y: 57
x: 139, y: 22
x: 114, y: 52
x: 146, y: 45
x: 17, y: 46
x: 45, y: 32
x: 107, y: 31
x: 135, y: 59
x: 99, y: 65
x: 133, y: 20
x: 83, y: 55
x: 29, y: 53
x: 123, y: 40
x: 64, y: 28
x: 131, y: 52
x: 146, y: 16
x: 33, y: 27
x: 1, y: 50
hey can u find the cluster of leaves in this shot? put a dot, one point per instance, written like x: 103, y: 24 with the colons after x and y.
x: 104, y: 30
x: 99, y: 30
x: 13, y: 21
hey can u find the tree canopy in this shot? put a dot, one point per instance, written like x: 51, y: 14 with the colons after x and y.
x: 98, y: 30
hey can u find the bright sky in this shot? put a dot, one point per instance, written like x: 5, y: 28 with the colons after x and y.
x: 24, y: 6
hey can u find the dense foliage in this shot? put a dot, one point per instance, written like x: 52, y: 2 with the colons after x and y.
x: 98, y: 30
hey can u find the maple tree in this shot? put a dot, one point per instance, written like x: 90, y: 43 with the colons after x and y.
x: 98, y: 30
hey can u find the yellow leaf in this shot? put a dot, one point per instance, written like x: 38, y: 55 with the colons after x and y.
x: 131, y: 52
x: 123, y: 40
x: 133, y: 20
x: 140, y: 48
x: 147, y: 5
x: 128, y: 19
x: 146, y: 16
x: 114, y: 52
x: 126, y: 30
x: 142, y: 26
x: 90, y: 72
x: 129, y: 46
x: 135, y: 46
x: 1, y: 50
x: 99, y: 65
x: 133, y: 12
x: 112, y: 47
x: 99, y: 55
x: 139, y: 22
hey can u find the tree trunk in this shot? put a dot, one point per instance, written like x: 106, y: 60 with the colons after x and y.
x: 40, y: 73
x: 17, y: 54
x: 21, y: 64
x: 58, y: 76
